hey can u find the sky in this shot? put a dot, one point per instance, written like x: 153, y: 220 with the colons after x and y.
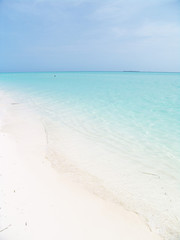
x: 89, y: 35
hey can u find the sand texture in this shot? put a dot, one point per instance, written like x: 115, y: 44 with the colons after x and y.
x: 38, y: 203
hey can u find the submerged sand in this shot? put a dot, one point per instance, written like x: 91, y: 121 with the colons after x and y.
x: 36, y: 202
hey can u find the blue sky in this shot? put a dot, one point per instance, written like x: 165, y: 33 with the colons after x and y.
x: 64, y: 35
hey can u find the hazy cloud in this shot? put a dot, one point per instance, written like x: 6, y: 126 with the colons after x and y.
x: 96, y: 34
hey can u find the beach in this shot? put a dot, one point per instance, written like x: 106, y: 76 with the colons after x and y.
x: 89, y: 120
x: 38, y: 202
x: 113, y: 137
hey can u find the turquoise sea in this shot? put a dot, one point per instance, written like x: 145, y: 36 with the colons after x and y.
x: 121, y: 128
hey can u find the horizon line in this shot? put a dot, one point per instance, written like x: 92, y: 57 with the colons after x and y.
x: 124, y: 71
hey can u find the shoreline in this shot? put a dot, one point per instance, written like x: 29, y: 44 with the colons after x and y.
x: 38, y: 202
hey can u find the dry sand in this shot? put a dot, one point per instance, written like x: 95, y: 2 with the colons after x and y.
x: 38, y: 203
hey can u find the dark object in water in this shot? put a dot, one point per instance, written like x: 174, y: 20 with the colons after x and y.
x: 54, y: 75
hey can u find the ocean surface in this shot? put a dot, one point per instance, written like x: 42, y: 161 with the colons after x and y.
x: 121, y: 128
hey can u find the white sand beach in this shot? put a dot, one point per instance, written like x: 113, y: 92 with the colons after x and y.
x: 36, y: 202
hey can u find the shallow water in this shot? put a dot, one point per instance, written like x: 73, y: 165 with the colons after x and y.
x: 123, y: 128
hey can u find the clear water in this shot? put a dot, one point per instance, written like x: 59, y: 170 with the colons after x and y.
x: 123, y: 128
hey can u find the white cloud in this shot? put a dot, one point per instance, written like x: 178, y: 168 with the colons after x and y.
x: 153, y: 29
x: 122, y: 10
x: 159, y: 30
